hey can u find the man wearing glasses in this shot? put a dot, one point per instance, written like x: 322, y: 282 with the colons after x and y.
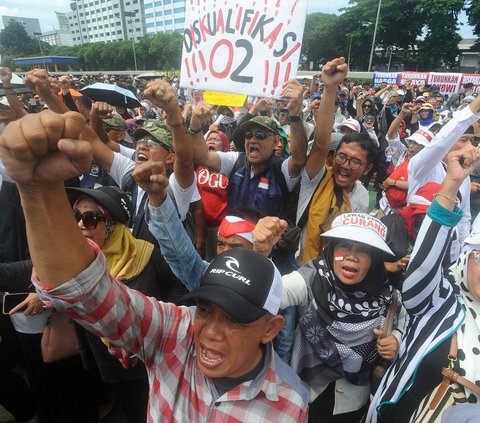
x: 257, y: 178
x: 327, y: 191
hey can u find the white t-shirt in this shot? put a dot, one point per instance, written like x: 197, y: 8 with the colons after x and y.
x: 122, y: 166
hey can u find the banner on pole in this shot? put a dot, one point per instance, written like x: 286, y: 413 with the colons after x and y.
x: 247, y: 47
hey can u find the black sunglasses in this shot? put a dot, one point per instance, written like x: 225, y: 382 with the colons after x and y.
x: 259, y: 135
x: 90, y: 219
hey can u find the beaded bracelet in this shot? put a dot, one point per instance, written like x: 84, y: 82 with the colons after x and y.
x: 453, y: 200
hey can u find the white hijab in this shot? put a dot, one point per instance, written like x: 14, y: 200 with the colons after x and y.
x: 469, y: 333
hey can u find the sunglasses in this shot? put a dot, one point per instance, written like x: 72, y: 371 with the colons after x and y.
x: 148, y: 142
x: 259, y: 135
x: 90, y: 219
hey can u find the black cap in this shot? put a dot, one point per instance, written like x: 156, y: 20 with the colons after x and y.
x: 245, y: 284
x: 111, y: 198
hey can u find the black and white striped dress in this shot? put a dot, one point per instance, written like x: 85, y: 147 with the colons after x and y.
x: 434, y: 314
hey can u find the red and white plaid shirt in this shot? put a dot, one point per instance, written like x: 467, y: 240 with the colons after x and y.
x: 161, y: 334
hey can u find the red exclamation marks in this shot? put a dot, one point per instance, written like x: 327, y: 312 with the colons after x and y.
x: 265, y: 81
x: 194, y: 63
x: 252, y: 25
x: 188, y: 70
x: 239, y: 16
x: 202, y: 63
x: 275, y: 77
x: 292, y: 11
x: 288, y: 70
x: 277, y: 6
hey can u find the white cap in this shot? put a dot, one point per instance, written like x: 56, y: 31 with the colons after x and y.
x: 422, y: 136
x: 4, y: 101
x: 472, y: 242
x: 401, y: 92
x: 351, y: 123
x: 360, y: 227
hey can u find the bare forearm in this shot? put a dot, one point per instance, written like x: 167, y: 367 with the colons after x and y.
x: 395, y: 124
x: 14, y: 102
x: 58, y: 249
x: 182, y: 142
x: 298, y: 148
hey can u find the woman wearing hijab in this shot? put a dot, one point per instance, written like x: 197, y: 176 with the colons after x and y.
x: 343, y: 296
x: 438, y: 318
x: 102, y: 215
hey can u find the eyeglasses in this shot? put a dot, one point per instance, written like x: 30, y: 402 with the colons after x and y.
x: 476, y: 257
x: 90, y: 219
x: 259, y: 135
x: 148, y: 142
x: 353, y: 163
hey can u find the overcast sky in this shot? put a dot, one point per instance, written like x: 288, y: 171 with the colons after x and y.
x: 45, y: 11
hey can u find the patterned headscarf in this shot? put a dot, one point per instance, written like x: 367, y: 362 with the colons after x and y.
x: 468, y: 336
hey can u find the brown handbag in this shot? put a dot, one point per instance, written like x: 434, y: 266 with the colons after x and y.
x: 59, y: 340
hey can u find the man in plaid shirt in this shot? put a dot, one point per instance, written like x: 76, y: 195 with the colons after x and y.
x: 211, y: 363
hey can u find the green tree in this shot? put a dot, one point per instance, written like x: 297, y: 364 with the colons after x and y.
x: 15, y: 42
x: 473, y: 12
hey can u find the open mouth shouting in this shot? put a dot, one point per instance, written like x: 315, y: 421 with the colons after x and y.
x: 209, y: 358
x: 349, y: 272
x: 141, y: 157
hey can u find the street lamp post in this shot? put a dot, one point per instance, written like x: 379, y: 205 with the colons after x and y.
x: 374, y: 36
x: 349, y: 50
x: 132, y: 15
x: 40, y: 46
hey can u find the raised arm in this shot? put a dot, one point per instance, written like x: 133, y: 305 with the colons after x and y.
x: 40, y: 151
x: 163, y: 95
x: 393, y: 129
x: 424, y: 272
x: 333, y: 73
x: 40, y: 82
x: 201, y: 155
x: 15, y: 103
x: 293, y: 92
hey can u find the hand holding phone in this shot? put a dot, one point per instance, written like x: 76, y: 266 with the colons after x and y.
x: 26, y: 302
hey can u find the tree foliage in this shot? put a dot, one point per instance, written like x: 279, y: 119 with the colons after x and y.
x: 417, y: 34
x: 161, y: 51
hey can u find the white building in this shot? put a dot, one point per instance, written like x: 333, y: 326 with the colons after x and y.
x: 57, y: 38
x: 92, y: 21
x: 164, y: 16
x: 31, y: 25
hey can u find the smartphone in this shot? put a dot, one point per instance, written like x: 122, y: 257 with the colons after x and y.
x: 10, y: 301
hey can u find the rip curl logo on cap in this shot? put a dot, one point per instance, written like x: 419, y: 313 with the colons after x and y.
x: 231, y: 262
x: 234, y: 272
x: 364, y: 221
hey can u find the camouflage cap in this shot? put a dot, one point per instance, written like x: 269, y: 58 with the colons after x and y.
x: 116, y: 122
x: 264, y: 121
x: 158, y: 130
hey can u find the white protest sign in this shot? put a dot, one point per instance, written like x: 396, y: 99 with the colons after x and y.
x: 474, y: 78
x: 242, y: 46
x: 447, y: 83
x: 391, y: 78
x: 416, y: 78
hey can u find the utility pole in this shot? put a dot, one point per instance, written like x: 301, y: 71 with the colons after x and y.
x: 131, y: 15
x: 374, y: 36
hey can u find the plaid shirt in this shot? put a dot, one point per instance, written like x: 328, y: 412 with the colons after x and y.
x: 161, y: 334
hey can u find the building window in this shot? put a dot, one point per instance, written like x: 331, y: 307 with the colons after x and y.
x: 150, y: 24
x: 179, y: 10
x: 158, y: 13
x: 180, y: 21
x: 158, y: 3
x: 149, y: 6
x: 168, y: 22
x: 168, y: 12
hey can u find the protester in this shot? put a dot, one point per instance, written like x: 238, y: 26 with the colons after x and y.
x: 435, y: 313
x: 327, y: 192
x: 189, y: 365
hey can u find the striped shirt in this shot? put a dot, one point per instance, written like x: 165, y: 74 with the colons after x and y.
x: 434, y: 313
x: 161, y: 334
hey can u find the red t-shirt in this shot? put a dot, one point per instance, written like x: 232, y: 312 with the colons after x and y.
x: 213, y: 190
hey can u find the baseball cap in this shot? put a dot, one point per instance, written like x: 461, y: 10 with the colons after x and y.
x: 264, y: 121
x: 426, y: 106
x: 351, y: 123
x: 158, y: 130
x: 468, y: 99
x: 4, y: 102
x: 401, y: 92
x: 234, y: 225
x: 116, y: 122
x: 360, y: 227
x: 316, y: 95
x: 245, y: 284
x: 422, y: 136
x: 110, y: 197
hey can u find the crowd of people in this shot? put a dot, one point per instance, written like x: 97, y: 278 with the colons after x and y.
x: 226, y: 263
